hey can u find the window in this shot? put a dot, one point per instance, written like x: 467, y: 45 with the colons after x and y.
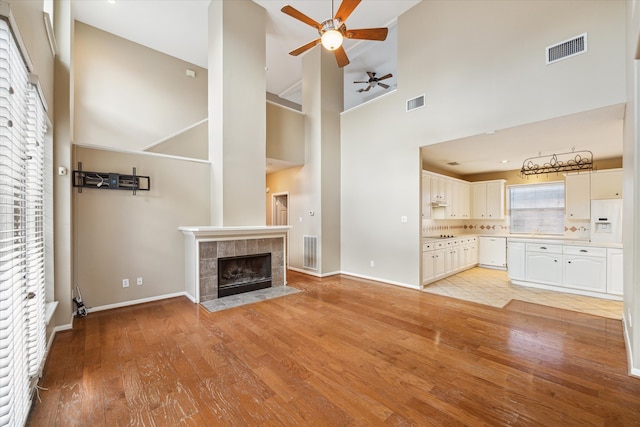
x: 537, y: 208
x: 22, y: 276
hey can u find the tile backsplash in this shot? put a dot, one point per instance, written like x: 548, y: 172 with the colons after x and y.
x: 434, y: 227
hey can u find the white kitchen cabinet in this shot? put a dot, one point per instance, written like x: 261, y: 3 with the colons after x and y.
x: 585, y: 268
x: 493, y: 252
x: 516, y: 260
x: 543, y: 263
x: 479, y: 200
x: 464, y: 200
x: 426, y: 195
x: 544, y: 268
x: 614, y: 271
x: 438, y: 189
x: 439, y: 262
x: 577, y: 195
x: 428, y: 266
x: 606, y: 184
x: 488, y: 199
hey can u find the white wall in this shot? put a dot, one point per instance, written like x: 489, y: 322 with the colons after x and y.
x: 631, y: 190
x: 129, y: 96
x: 481, y: 66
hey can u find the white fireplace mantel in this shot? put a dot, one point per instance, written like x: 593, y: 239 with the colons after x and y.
x: 208, y: 231
x: 195, y: 235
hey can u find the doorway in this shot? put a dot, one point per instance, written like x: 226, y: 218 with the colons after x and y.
x: 280, y: 215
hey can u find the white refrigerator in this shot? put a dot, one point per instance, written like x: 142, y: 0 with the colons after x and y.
x: 606, y: 221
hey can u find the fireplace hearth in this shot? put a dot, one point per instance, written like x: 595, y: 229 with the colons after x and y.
x: 243, y: 273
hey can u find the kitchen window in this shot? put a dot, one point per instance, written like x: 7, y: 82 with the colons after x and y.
x: 536, y: 208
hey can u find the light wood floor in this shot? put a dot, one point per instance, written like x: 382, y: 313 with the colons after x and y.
x: 344, y: 352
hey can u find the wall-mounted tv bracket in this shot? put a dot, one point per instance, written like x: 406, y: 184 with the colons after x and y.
x: 110, y: 181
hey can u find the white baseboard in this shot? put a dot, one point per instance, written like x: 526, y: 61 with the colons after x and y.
x: 311, y: 273
x: 377, y: 279
x: 633, y: 371
x: 360, y: 276
x: 137, y: 301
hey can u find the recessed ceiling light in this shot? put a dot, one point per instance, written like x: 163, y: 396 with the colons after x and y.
x: 490, y: 132
x: 111, y: 1
x: 504, y: 161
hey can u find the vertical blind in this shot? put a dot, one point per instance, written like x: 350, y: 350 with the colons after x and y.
x: 22, y: 287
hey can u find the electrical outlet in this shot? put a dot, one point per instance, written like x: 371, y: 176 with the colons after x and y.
x: 403, y: 219
x: 139, y: 281
x: 125, y: 283
x: 372, y: 263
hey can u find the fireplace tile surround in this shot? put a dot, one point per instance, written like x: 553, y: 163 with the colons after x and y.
x: 211, y: 251
x: 204, y: 245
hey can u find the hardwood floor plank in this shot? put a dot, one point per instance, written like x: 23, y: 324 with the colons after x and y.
x: 344, y: 352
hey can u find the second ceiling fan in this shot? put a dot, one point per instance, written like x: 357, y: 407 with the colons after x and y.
x: 333, y: 31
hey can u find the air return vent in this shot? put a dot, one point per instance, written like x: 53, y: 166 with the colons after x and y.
x: 310, y: 252
x: 415, y: 103
x: 567, y: 49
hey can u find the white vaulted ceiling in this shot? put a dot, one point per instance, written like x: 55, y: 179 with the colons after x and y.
x: 179, y: 28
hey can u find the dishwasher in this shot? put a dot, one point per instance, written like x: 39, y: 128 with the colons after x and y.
x: 493, y: 252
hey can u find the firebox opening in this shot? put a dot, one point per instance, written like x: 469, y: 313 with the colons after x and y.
x: 244, y: 273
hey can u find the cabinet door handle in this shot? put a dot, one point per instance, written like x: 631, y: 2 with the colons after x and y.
x: 583, y: 250
x: 555, y: 260
x: 569, y: 262
x: 543, y: 247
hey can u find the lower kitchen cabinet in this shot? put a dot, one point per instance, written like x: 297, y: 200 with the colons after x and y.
x: 443, y: 258
x: 516, y: 260
x: 614, y: 271
x: 585, y: 273
x: 544, y: 268
x: 587, y: 270
x: 428, y: 268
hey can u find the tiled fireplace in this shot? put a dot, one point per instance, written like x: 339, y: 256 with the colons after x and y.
x: 244, y: 250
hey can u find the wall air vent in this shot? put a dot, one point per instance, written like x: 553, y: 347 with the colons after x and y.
x: 567, y: 49
x: 415, y: 103
x: 453, y: 164
x: 310, y: 252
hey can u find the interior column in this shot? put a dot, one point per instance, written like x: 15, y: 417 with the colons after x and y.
x: 237, y: 112
x: 322, y: 103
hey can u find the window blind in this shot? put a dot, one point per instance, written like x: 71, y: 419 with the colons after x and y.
x: 537, y: 208
x: 22, y: 333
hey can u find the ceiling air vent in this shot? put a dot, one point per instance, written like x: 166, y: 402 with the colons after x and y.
x: 567, y: 49
x: 415, y: 103
x: 453, y: 164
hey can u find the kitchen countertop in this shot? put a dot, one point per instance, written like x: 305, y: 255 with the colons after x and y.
x: 527, y: 238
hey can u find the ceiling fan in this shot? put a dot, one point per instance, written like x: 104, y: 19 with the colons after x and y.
x: 333, y: 31
x: 374, y: 81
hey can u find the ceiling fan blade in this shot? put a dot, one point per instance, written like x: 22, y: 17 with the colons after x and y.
x: 379, y: 34
x: 341, y: 56
x: 385, y: 76
x: 304, y: 48
x: 367, y: 89
x: 361, y: 82
x: 371, y: 75
x: 294, y: 13
x: 386, y: 86
x: 345, y: 9
x: 360, y: 90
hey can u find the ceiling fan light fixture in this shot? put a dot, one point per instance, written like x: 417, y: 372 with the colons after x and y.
x: 331, y: 39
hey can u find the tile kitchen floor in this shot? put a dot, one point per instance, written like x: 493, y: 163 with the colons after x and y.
x: 492, y: 287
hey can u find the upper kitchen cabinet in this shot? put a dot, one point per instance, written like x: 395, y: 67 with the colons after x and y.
x: 488, y: 199
x: 458, y: 201
x: 426, y: 195
x: 606, y: 184
x: 577, y: 195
